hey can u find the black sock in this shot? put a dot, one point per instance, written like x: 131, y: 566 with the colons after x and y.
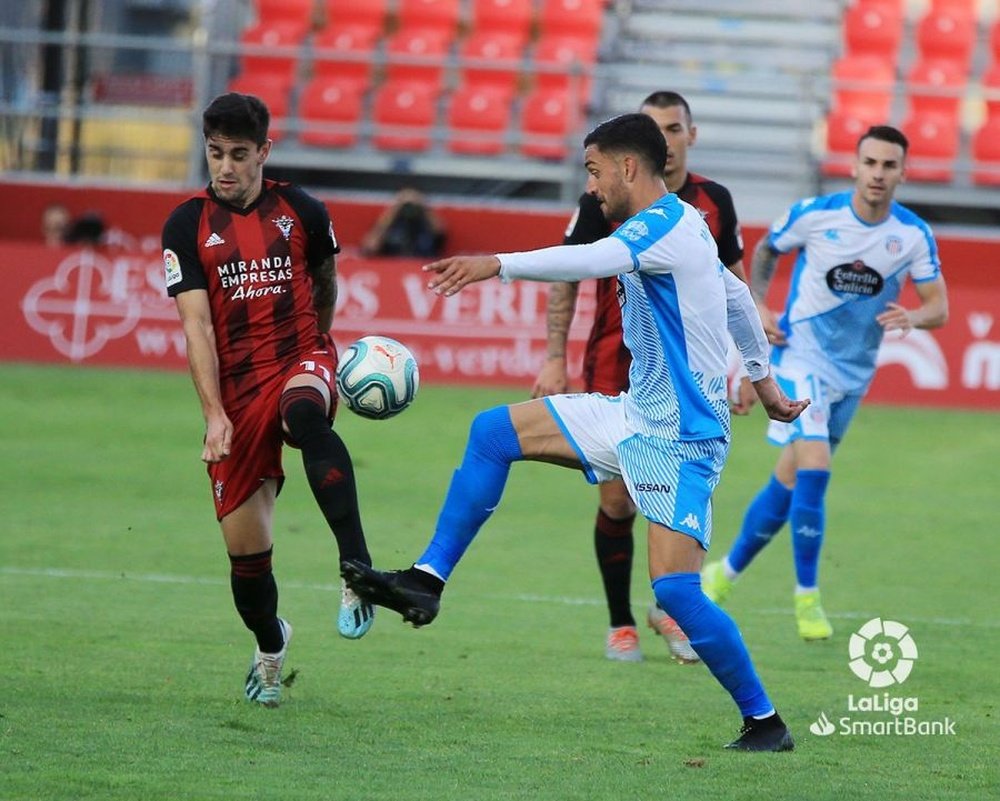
x: 614, y: 546
x: 328, y: 469
x: 427, y: 581
x: 255, y: 594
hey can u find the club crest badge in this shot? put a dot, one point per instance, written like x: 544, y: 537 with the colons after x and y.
x: 284, y: 223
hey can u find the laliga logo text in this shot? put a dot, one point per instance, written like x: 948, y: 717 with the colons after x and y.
x: 882, y: 653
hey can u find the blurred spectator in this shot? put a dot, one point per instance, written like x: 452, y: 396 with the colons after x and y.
x: 408, y: 227
x: 87, y: 229
x: 55, y: 221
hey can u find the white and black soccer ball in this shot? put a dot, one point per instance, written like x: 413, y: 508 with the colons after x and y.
x: 377, y: 377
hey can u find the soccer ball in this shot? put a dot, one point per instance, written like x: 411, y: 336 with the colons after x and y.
x: 377, y: 377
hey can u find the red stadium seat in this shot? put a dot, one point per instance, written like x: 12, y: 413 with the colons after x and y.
x: 478, y: 118
x: 582, y: 18
x: 274, y: 90
x: 873, y: 29
x: 437, y: 14
x: 417, y: 54
x: 491, y: 58
x: 562, y: 62
x: 403, y: 113
x: 863, y: 86
x: 265, y: 38
x: 933, y: 147
x: 295, y: 12
x: 995, y: 40
x: 986, y: 154
x: 947, y: 34
x: 511, y: 17
x: 346, y: 51
x: 843, y: 129
x: 369, y: 13
x: 963, y: 6
x: 548, y: 119
x: 935, y: 86
x: 331, y: 102
x: 990, y: 82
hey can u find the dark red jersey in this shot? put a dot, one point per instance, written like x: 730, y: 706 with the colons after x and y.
x: 606, y: 359
x: 257, y: 265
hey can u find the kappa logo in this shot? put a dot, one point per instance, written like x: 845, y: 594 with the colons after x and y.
x: 692, y: 522
x: 214, y: 240
x: 284, y: 223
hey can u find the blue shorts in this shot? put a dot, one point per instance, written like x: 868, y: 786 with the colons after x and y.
x: 670, y: 481
x: 827, y: 417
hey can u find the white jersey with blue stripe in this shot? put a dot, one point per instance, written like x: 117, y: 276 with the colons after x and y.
x: 674, y: 322
x: 846, y: 272
x: 675, y: 309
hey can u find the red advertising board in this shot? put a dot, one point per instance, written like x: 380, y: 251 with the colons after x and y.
x: 110, y: 308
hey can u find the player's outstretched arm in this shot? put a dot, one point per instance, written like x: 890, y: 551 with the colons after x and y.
x: 455, y: 272
x: 778, y: 405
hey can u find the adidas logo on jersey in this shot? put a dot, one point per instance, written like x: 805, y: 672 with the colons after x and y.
x: 691, y: 521
x: 214, y: 240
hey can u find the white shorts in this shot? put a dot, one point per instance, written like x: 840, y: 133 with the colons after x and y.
x: 670, y: 481
x: 828, y: 416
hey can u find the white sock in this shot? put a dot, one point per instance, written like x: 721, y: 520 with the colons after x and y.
x: 429, y: 569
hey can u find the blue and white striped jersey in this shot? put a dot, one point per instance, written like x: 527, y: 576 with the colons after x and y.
x: 845, y: 274
x: 674, y: 322
x: 678, y: 301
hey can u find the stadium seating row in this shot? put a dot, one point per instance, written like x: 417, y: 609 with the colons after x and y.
x: 478, y: 119
x: 387, y: 78
x: 516, y: 18
x: 934, y: 86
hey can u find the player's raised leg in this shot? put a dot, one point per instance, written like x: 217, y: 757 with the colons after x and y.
x: 497, y: 438
x: 305, y: 412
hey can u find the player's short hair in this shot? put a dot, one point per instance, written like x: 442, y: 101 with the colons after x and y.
x: 886, y: 133
x: 631, y: 133
x: 237, y: 116
x: 668, y: 99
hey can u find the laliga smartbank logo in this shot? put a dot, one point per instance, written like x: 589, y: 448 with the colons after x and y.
x: 882, y: 654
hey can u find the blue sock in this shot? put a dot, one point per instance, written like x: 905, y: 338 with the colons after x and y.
x: 715, y: 638
x: 808, y: 523
x: 476, y: 487
x: 764, y: 517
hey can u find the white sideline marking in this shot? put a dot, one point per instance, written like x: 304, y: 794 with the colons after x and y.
x: 163, y: 578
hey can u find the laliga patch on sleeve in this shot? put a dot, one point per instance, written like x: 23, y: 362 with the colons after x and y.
x: 171, y: 268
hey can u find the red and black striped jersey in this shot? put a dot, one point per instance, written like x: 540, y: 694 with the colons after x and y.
x: 257, y: 265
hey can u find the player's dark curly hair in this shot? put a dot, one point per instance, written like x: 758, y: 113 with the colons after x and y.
x: 631, y: 133
x: 886, y: 133
x: 237, y: 116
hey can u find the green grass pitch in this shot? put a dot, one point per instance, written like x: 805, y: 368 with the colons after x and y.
x: 122, y: 659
